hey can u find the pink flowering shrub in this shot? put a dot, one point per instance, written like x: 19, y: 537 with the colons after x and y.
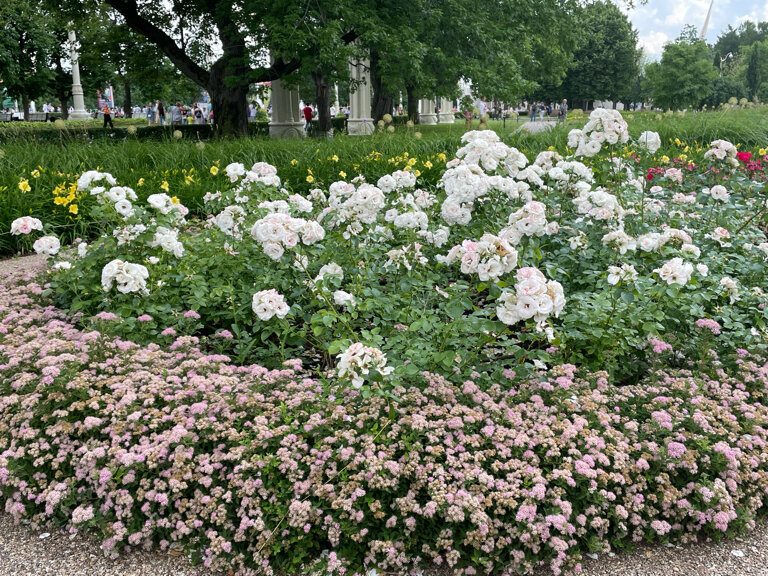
x: 266, y: 471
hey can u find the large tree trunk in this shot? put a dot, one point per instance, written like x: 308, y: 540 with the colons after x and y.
x: 228, y: 88
x: 127, y: 100
x: 413, y: 103
x: 64, y: 103
x: 383, y: 99
x: 25, y: 106
x: 323, y: 98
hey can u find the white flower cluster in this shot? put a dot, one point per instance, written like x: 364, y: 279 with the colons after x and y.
x: 121, y: 198
x: 622, y: 241
x: 598, y: 204
x: 47, y: 245
x: 128, y: 234
x: 342, y: 298
x: 278, y: 231
x: 355, y: 205
x: 624, y: 274
x: 534, y: 297
x: 675, y: 271
x: 260, y: 173
x: 721, y: 236
x: 396, y: 181
x: 129, y: 277
x: 269, y: 303
x: 604, y: 127
x: 484, y: 148
x: 722, y: 150
x: 164, y: 204
x: 358, y: 360
x: 168, y: 240
x: 654, y: 241
x: 649, y: 141
x: 530, y: 220
x: 230, y: 221
x: 547, y: 159
x: 437, y: 238
x: 87, y: 179
x: 731, y: 288
x: 410, y: 210
x: 25, y: 225
x: 489, y: 258
x: 571, y: 173
x: 463, y: 184
x: 406, y: 257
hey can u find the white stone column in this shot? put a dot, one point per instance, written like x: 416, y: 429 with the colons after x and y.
x: 286, y: 120
x: 446, y: 111
x: 427, y: 114
x: 79, y: 112
x: 360, y: 122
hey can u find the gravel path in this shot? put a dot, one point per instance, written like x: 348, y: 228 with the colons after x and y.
x: 25, y: 552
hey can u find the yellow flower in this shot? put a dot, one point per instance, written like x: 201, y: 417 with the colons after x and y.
x: 35, y: 173
x: 761, y: 151
x: 335, y: 158
x: 214, y: 170
x: 24, y: 185
x: 309, y: 171
x: 73, y: 209
x: 412, y: 161
x: 60, y: 201
x: 665, y: 159
x: 188, y: 179
x: 441, y: 157
x: 683, y: 157
x: 416, y: 173
x: 427, y: 164
x: 310, y: 178
x: 342, y: 174
x: 140, y: 182
x: 294, y: 162
x: 164, y: 185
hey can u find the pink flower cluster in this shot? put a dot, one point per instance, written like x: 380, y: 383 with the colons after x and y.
x: 259, y: 469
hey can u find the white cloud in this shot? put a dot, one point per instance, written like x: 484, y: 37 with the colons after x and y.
x: 653, y: 43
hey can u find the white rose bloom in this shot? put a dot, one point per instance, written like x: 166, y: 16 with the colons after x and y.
x: 116, y: 193
x: 47, y: 245
x: 269, y: 303
x: 273, y: 250
x: 82, y: 249
x: 25, y: 225
x: 703, y: 269
x: 124, y: 208
x: 342, y: 298
x: 649, y: 141
x: 160, y: 202
x: 234, y: 171
x: 63, y: 265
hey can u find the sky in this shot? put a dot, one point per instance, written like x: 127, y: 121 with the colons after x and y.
x: 660, y: 21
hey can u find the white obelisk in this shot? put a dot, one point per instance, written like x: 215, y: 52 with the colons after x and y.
x: 79, y: 112
x: 703, y: 35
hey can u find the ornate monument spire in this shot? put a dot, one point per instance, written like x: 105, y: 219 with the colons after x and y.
x: 703, y: 34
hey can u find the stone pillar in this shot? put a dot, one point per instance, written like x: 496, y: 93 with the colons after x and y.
x: 360, y: 122
x: 79, y: 112
x: 286, y: 120
x: 427, y: 113
x: 446, y: 111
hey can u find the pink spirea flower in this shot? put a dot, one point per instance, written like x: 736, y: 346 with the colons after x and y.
x: 709, y: 324
x: 192, y: 314
x: 144, y: 318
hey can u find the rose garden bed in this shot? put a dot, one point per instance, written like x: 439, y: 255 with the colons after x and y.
x: 531, y: 361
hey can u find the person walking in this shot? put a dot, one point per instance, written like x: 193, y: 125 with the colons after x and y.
x: 307, y: 112
x: 107, y: 116
x: 176, y: 114
x: 151, y: 111
x: 198, y: 114
x: 562, y: 113
x: 160, y: 113
x: 533, y: 111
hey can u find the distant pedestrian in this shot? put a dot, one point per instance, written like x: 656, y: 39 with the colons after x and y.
x: 151, y: 112
x: 176, y: 114
x: 562, y: 113
x: 160, y: 113
x: 307, y: 112
x: 198, y: 114
x: 107, y: 116
x: 533, y: 111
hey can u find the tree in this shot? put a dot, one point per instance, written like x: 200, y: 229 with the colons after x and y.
x: 26, y: 43
x: 187, y: 31
x: 606, y: 61
x: 756, y: 57
x: 723, y: 89
x: 684, y: 76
